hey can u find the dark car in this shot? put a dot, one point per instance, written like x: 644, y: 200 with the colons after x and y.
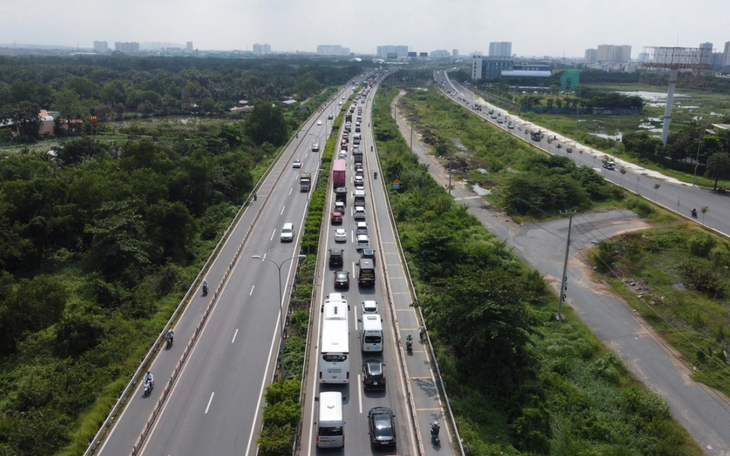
x: 373, y: 375
x: 337, y: 218
x: 342, y: 279
x: 336, y: 257
x: 382, y: 427
x: 368, y: 253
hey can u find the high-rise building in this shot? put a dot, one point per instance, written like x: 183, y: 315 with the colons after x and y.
x: 189, y: 47
x: 440, y: 54
x: 261, y: 49
x: 591, y: 55
x: 102, y: 47
x: 726, y: 57
x: 455, y: 53
x: 400, y: 51
x: 332, y: 49
x: 500, y: 49
x: 130, y: 47
x: 482, y: 68
x: 643, y: 57
x: 609, y: 53
x: 707, y: 45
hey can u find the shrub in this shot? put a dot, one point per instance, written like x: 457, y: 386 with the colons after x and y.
x: 701, y: 277
x: 701, y: 246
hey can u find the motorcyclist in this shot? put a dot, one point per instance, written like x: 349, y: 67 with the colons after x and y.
x: 205, y: 285
x: 435, y: 428
x: 375, y: 175
x: 694, y: 212
x: 170, y: 336
x: 421, y: 332
x: 149, y: 378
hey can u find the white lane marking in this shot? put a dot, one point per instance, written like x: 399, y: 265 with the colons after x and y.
x: 209, y: 401
x: 251, y: 292
x: 290, y: 190
x: 284, y: 207
x: 234, y: 336
x: 264, y: 257
x: 272, y: 235
x: 359, y: 392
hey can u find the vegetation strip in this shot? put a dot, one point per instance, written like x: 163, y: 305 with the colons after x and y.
x: 519, y: 381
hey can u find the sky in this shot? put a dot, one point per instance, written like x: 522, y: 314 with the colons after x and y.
x: 535, y: 27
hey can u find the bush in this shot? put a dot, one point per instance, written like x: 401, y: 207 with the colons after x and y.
x: 701, y: 246
x: 702, y: 277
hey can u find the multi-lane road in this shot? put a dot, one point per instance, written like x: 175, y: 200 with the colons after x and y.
x: 673, y: 195
x: 215, y: 404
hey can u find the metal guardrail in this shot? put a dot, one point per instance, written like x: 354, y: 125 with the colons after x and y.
x: 420, y: 312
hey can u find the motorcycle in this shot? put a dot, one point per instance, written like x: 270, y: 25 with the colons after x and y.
x: 205, y: 290
x: 435, y: 434
x: 409, y: 347
x: 169, y: 342
x: 694, y: 213
x: 148, y: 386
x: 375, y: 175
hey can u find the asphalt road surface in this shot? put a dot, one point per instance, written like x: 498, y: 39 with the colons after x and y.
x: 673, y: 195
x: 215, y: 405
x: 702, y: 411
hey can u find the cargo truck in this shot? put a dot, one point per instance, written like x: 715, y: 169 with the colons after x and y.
x: 305, y: 182
x: 357, y: 153
x: 339, y: 173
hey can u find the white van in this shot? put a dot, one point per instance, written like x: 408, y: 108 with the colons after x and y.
x: 331, y: 424
x: 287, y: 232
x: 356, y: 138
x: 372, y: 333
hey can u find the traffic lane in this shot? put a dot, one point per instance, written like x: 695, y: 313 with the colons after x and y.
x: 217, y: 364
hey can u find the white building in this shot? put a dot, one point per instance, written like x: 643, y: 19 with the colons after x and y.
x: 130, y: 47
x: 440, y: 54
x: 261, y: 49
x: 399, y: 51
x: 500, y: 49
x: 591, y: 55
x: 726, y: 57
x: 332, y: 49
x: 609, y: 53
x: 455, y: 53
x: 189, y: 47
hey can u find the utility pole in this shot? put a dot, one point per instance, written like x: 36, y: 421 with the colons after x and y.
x: 697, y: 160
x: 563, y: 284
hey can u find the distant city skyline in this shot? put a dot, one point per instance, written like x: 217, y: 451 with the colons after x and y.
x: 286, y: 25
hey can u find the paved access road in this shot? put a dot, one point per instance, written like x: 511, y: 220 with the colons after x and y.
x: 671, y: 194
x: 215, y: 405
x: 703, y: 412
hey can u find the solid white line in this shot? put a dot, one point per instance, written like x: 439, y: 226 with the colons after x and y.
x: 234, y: 336
x: 209, y: 401
x: 284, y: 207
x: 251, y: 292
x: 359, y: 392
x: 272, y: 235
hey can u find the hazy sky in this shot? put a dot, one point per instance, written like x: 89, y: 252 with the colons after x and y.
x: 535, y: 27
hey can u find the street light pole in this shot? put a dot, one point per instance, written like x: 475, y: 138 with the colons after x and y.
x: 281, y: 307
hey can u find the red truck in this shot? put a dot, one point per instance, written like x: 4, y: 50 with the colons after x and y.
x: 339, y: 173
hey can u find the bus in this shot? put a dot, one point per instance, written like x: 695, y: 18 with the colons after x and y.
x: 334, y: 357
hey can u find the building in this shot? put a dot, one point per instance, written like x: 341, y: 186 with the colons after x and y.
x: 643, y: 57
x: 609, y: 53
x: 455, y: 53
x: 440, y: 54
x: 189, y: 47
x: 569, y: 80
x: 500, y: 49
x: 399, y: 51
x: 130, y: 47
x: 726, y: 57
x: 332, y: 49
x: 102, y: 47
x: 489, y: 68
x: 261, y: 49
x: 412, y: 55
x: 706, y: 46
x: 423, y: 55
x: 591, y: 55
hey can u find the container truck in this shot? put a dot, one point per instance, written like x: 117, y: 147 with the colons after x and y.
x: 339, y: 173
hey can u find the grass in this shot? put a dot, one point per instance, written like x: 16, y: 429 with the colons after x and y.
x: 694, y: 322
x: 577, y: 395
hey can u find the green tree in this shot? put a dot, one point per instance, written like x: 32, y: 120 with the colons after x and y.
x: 265, y: 123
x: 69, y: 105
x: 85, y: 88
x: 25, y: 116
x: 718, y: 166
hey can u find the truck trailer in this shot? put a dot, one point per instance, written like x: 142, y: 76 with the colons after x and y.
x: 339, y: 173
x: 305, y: 182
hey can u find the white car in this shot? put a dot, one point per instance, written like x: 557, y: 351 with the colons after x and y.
x: 319, y: 122
x: 369, y: 307
x: 359, y: 213
x: 363, y: 242
x: 296, y: 164
x: 340, y: 207
x: 342, y: 154
x: 359, y: 180
x: 315, y: 147
x: 340, y: 235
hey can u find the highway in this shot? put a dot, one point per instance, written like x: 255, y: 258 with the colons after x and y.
x: 357, y: 402
x: 215, y: 405
x: 674, y: 196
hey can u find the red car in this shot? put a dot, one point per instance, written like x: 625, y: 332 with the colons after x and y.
x: 337, y: 218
